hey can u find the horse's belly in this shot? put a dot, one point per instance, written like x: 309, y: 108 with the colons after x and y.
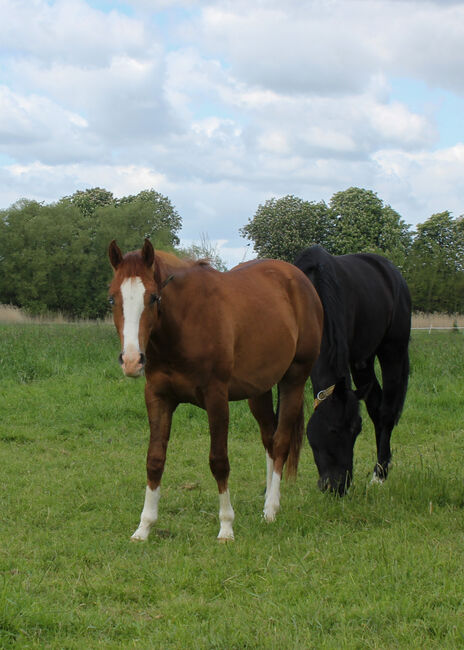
x: 244, y: 389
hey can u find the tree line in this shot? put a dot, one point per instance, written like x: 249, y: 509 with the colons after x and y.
x: 356, y: 220
x: 53, y: 256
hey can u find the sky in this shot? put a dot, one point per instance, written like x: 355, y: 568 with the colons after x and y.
x: 222, y: 105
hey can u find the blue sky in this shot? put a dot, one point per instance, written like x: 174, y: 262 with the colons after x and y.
x: 222, y: 105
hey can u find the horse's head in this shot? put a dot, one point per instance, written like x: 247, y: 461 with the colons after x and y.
x: 134, y: 296
x: 332, y: 432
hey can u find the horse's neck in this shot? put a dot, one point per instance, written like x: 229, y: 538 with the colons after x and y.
x: 167, y: 264
x: 324, y: 372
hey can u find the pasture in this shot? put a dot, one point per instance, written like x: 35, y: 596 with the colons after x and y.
x: 381, y: 568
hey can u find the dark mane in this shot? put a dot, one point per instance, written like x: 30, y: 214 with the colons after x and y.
x: 318, y: 265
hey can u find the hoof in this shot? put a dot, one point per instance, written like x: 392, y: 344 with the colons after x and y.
x: 140, y: 535
x: 376, y: 480
x: 226, y: 534
x: 269, y: 514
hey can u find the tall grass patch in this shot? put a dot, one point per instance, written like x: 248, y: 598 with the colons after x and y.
x: 380, y: 568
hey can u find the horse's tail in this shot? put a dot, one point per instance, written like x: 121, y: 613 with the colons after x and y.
x: 296, y: 440
x: 402, y: 386
x: 318, y: 265
x: 401, y: 324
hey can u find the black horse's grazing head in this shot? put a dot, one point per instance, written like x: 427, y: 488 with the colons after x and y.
x: 332, y: 432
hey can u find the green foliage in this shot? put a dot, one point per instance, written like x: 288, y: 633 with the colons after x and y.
x: 355, y: 221
x: 381, y: 568
x: 281, y: 228
x: 365, y: 224
x: 54, y: 257
x: 435, y: 270
x: 89, y: 200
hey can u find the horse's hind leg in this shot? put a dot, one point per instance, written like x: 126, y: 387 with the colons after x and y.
x: 368, y: 389
x: 394, y: 362
x: 217, y: 407
x: 262, y: 408
x: 287, y: 441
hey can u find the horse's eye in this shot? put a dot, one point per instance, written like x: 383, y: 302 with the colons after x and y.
x: 153, y: 299
x: 111, y: 300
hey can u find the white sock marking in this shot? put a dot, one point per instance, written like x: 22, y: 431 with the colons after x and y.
x: 149, y: 514
x: 226, y: 516
x: 272, y: 502
x: 269, y: 471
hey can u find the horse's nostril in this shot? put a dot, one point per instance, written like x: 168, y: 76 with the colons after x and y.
x: 142, y: 359
x: 120, y: 359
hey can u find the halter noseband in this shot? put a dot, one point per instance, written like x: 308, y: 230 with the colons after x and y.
x: 322, y: 395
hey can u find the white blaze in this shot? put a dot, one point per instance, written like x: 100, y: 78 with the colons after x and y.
x: 132, y: 291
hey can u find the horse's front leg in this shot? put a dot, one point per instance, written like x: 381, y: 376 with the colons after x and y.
x: 159, y: 416
x: 217, y: 407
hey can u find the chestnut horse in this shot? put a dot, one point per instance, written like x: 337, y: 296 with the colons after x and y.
x: 207, y: 338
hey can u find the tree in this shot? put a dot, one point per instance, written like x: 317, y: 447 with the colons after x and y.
x: 281, y: 228
x: 43, y: 264
x: 54, y: 257
x: 365, y: 224
x: 89, y: 200
x: 157, y: 215
x: 435, y: 271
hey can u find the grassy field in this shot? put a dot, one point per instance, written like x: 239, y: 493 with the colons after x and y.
x: 381, y: 568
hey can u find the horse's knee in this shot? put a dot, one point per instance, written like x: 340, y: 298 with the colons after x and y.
x: 220, y: 467
x: 155, y: 468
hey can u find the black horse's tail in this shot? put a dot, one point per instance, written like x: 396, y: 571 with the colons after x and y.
x: 402, y: 386
x: 319, y: 266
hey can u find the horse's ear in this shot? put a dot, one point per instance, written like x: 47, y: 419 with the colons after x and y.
x: 115, y: 255
x: 148, y: 253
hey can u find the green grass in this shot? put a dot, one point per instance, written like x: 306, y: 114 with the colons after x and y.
x: 381, y: 568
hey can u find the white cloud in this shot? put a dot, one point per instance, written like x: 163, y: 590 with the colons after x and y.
x: 429, y: 181
x: 229, y: 104
x: 69, y: 32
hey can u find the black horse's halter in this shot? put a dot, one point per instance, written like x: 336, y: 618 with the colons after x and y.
x: 322, y: 395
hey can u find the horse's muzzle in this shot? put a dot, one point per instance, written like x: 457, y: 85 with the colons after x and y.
x: 132, y: 365
x: 338, y: 485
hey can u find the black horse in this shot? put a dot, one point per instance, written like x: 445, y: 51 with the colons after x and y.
x: 367, y: 313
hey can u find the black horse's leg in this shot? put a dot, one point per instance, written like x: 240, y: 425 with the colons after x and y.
x: 262, y: 408
x: 159, y: 416
x: 368, y: 389
x: 394, y: 362
x: 217, y: 407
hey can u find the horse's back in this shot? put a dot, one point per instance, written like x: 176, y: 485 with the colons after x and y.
x: 380, y: 293
x: 278, y: 287
x: 365, y: 299
x: 268, y: 315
